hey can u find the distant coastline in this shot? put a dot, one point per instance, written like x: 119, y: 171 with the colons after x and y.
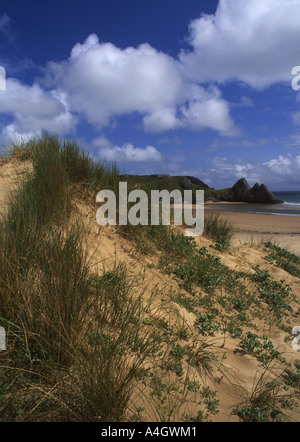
x: 290, y: 206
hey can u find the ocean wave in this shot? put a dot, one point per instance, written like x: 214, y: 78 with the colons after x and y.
x: 291, y: 204
x: 284, y: 214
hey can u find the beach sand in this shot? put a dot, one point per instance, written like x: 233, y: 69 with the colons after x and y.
x: 284, y: 231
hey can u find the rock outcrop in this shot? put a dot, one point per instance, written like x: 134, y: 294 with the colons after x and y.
x: 261, y: 194
x: 186, y: 184
x: 242, y: 192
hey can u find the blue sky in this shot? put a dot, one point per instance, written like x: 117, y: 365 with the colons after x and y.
x: 192, y: 87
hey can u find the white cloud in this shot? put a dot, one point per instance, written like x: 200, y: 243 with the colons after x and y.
x: 102, y: 81
x: 33, y: 110
x: 281, y: 165
x: 161, y: 120
x: 126, y: 153
x: 253, y: 41
x: 275, y: 173
x: 211, y: 112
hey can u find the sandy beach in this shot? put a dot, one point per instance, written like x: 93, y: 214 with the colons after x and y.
x: 254, y: 228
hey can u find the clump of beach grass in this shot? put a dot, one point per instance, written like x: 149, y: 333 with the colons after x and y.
x: 268, y: 400
x: 47, y: 290
x: 218, y: 228
x: 44, y: 273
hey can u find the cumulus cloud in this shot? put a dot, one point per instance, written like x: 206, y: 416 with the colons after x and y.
x: 125, y: 153
x: 211, y: 112
x: 206, y: 109
x: 252, y: 41
x: 282, y: 165
x: 103, y: 81
x: 32, y: 110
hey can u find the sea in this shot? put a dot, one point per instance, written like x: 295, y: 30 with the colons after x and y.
x: 289, y: 207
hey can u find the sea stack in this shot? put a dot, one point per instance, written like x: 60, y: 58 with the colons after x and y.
x: 241, y: 190
x: 258, y: 194
x: 261, y: 194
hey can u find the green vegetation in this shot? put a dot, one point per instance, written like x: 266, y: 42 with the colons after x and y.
x: 48, y: 295
x: 274, y: 293
x: 283, y: 258
x: 219, y: 229
x: 268, y: 400
x: 161, y: 182
x: 214, y: 194
x: 262, y: 348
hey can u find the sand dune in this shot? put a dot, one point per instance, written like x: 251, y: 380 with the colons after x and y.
x: 241, y: 371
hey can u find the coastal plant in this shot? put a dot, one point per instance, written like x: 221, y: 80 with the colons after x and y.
x: 274, y: 293
x: 44, y: 276
x: 113, y: 350
x: 80, y: 168
x: 266, y: 401
x: 251, y: 414
x: 291, y: 376
x: 205, y: 356
x: 218, y: 228
x: 201, y: 269
x: 235, y: 331
x: 208, y: 403
x: 159, y: 237
x: 282, y: 258
x: 263, y: 349
x: 222, y: 243
x: 205, y: 270
x: 46, y: 289
x: 173, y: 361
x: 17, y: 147
x: 239, y: 304
x: 190, y: 304
x: 204, y: 323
